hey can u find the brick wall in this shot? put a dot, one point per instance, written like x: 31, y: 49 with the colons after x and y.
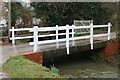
x: 111, y: 48
x: 33, y: 56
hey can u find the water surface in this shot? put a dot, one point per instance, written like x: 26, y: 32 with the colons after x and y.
x: 80, y: 67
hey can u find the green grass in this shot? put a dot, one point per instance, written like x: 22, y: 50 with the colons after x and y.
x: 20, y: 67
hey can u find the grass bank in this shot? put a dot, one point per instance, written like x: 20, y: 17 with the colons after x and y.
x: 20, y: 67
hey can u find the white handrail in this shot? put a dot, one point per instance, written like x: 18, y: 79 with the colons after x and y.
x: 35, y: 31
x: 21, y: 29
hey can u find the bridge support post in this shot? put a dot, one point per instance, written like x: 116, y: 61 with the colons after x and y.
x: 35, y: 38
x: 91, y: 35
x: 13, y: 35
x: 67, y: 38
x: 57, y: 45
x: 109, y: 25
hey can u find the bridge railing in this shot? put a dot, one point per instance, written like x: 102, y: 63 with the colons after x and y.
x: 57, y: 28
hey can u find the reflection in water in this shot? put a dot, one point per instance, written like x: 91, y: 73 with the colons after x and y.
x: 83, y: 67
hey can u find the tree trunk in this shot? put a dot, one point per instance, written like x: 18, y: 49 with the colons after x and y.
x: 118, y: 35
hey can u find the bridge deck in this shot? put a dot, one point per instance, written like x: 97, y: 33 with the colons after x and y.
x: 24, y: 48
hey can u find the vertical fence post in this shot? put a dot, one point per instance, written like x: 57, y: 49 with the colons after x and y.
x: 35, y: 38
x: 67, y: 38
x: 57, y: 45
x: 91, y: 35
x: 13, y: 35
x: 109, y: 25
x: 73, y: 43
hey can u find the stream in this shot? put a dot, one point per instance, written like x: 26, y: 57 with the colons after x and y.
x: 86, y: 69
x: 77, y: 66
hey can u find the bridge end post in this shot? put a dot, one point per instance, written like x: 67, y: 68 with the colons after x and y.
x: 35, y: 31
x: 91, y: 35
x: 109, y: 25
x: 57, y: 45
x: 13, y: 36
x: 67, y: 38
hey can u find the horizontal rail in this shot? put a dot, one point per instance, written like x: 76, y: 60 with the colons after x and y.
x: 53, y: 34
x: 48, y: 41
x: 22, y: 37
x: 60, y: 40
x: 100, y: 35
x: 59, y: 28
x: 47, y: 35
x: 69, y: 30
x: 26, y: 37
x: 70, y: 27
x: 52, y: 28
x: 21, y: 29
x: 76, y: 38
x: 82, y: 37
x: 99, y: 26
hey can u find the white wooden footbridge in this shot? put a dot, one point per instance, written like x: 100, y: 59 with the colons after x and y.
x: 69, y: 40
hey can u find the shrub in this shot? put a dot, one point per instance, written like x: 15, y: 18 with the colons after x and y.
x: 54, y: 69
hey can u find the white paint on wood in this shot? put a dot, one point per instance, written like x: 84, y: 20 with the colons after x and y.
x: 13, y: 35
x: 35, y: 31
x: 109, y: 25
x: 35, y: 38
x: 67, y: 38
x: 91, y: 35
x: 22, y: 29
x: 26, y: 37
x: 57, y: 45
